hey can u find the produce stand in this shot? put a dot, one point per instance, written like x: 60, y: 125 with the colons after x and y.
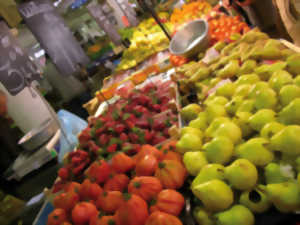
x: 214, y: 116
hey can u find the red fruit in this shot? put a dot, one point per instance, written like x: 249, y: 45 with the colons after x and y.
x: 158, y: 139
x: 149, y: 150
x: 124, y: 137
x: 171, y: 174
x: 168, y: 201
x: 117, y: 182
x: 170, y: 145
x: 98, y: 171
x: 103, y: 220
x: 84, y: 190
x: 122, y: 163
x: 134, y: 211
x: 83, y: 212
x: 84, y: 137
x: 133, y: 137
x: 129, y: 124
x: 110, y: 201
x: 146, y: 166
x: 112, y: 148
x: 63, y: 173
x: 145, y: 187
x: 157, y: 107
x: 119, y: 128
x: 148, y: 136
x: 66, y: 201
x: 57, y: 217
x: 73, y: 186
x: 93, y: 147
x: 103, y: 139
x: 161, y: 218
x: 166, y: 132
x: 170, y: 155
x: 95, y: 191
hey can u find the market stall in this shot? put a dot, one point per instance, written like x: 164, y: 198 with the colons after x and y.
x: 200, y: 130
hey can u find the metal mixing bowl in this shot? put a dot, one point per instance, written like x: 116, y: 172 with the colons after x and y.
x: 191, y: 39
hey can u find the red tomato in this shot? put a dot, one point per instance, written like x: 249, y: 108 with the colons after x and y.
x: 117, y: 182
x: 170, y: 145
x: 103, y: 220
x: 161, y: 218
x: 98, y: 171
x: 171, y: 174
x: 73, y: 186
x: 95, y: 191
x: 83, y: 212
x: 170, y: 155
x: 145, y: 187
x: 168, y: 201
x: 66, y: 201
x: 134, y: 211
x: 89, y: 190
x: 146, y: 166
x: 149, y: 150
x: 66, y: 223
x: 110, y: 201
x: 57, y: 217
x: 122, y: 163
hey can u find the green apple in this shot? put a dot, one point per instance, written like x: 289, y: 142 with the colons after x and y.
x: 288, y: 93
x: 236, y: 215
x: 227, y: 90
x: 214, y: 194
x: 290, y: 113
x: 260, y: 118
x: 287, y: 140
x: 188, y: 143
x: 270, y: 129
x: 209, y: 172
x: 255, y: 200
x: 194, y: 162
x: 279, y: 79
x: 247, y: 79
x: 200, y: 122
x: 241, y: 174
x: 255, y: 151
x: 219, y: 150
x: 242, y: 120
x: 190, y: 112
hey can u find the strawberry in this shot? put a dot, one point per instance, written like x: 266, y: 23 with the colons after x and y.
x: 148, y: 136
x: 158, y: 139
x: 103, y: 139
x: 129, y: 124
x: 127, y: 147
x: 63, y: 173
x: 93, y: 147
x: 158, y: 125
x: 166, y: 132
x: 99, y: 131
x: 119, y: 128
x: 123, y: 137
x: 133, y: 137
x: 84, y: 137
x: 157, y: 107
x: 112, y: 148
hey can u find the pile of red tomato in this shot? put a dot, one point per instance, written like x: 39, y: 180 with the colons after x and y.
x: 221, y: 27
x: 125, y: 190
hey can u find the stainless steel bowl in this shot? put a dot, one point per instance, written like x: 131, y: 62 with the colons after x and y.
x: 191, y: 39
x: 39, y: 135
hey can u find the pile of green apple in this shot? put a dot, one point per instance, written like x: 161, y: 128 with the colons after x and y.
x: 242, y: 143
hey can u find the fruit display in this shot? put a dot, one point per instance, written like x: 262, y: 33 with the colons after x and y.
x: 241, y: 144
x: 147, y: 39
x: 190, y: 11
x: 222, y: 27
x: 142, y: 116
x: 137, y: 189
